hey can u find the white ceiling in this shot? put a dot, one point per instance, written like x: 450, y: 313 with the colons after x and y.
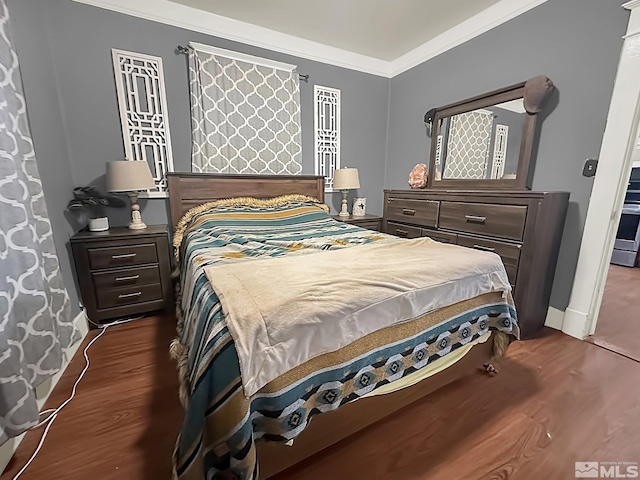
x: 395, y: 35
x: 382, y: 29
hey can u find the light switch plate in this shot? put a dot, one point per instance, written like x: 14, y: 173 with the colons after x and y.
x: 590, y: 167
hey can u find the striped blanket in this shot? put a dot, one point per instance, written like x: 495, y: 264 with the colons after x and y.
x: 221, y: 426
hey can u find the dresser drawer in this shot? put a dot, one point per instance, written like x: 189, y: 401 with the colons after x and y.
x: 107, y: 257
x: 496, y: 220
x: 443, y: 237
x: 509, y: 252
x: 117, y: 297
x: 124, y: 277
x: 417, y: 212
x: 403, y: 231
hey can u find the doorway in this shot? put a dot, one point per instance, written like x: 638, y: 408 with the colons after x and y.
x: 618, y: 325
x: 609, y: 188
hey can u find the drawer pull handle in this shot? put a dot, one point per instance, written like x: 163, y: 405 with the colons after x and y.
x: 124, y: 255
x: 475, y: 219
x: 401, y: 233
x: 486, y: 249
x: 408, y: 211
x: 125, y: 279
x: 129, y: 295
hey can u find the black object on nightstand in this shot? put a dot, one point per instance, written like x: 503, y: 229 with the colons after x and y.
x: 370, y: 222
x: 123, y: 272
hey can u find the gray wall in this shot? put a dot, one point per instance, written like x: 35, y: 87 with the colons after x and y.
x: 65, y: 53
x: 577, y: 44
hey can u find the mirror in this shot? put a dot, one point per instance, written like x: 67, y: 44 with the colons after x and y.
x: 483, y: 142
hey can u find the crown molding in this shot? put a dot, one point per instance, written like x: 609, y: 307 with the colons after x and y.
x: 631, y: 5
x: 491, y: 17
x: 177, y: 15
x: 242, y: 57
x: 169, y: 13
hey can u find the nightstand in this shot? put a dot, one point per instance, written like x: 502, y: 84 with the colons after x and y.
x: 370, y: 222
x: 123, y: 272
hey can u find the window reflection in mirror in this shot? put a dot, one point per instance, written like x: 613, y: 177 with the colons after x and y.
x: 482, y: 144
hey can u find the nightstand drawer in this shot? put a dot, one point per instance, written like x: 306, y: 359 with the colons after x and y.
x: 123, y: 272
x: 117, y: 297
x: 108, y: 257
x: 403, y: 231
x: 125, y: 277
x: 417, y: 212
x: 369, y: 225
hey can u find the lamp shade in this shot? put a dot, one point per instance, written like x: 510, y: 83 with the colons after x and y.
x: 129, y: 176
x: 346, y: 179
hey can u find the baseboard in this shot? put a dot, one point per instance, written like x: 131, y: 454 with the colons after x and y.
x: 555, y: 318
x: 44, y: 389
x: 576, y: 324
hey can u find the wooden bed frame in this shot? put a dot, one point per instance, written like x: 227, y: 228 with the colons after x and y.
x: 187, y: 190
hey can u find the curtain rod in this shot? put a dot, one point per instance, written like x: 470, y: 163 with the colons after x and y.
x: 185, y: 50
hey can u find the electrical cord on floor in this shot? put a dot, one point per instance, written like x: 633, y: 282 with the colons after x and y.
x: 55, y: 411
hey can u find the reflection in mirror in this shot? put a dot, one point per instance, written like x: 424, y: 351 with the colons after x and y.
x: 481, y: 144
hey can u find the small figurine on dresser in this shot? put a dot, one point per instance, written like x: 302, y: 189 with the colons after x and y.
x: 418, y: 176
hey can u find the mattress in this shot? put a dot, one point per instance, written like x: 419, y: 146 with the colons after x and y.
x: 221, y: 426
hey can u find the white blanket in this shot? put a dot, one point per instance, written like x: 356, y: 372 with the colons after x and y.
x: 285, y: 311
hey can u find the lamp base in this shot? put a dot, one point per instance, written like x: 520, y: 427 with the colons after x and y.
x: 136, y: 218
x: 137, y: 225
x: 344, y: 212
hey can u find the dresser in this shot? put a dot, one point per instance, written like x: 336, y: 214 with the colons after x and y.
x: 123, y: 272
x: 523, y: 227
x: 370, y: 222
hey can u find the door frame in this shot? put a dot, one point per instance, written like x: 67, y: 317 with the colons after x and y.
x: 609, y: 187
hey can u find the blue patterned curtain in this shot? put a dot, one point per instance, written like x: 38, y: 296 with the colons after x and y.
x: 34, y: 305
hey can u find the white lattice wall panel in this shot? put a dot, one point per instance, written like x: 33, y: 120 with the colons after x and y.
x: 468, y: 145
x: 326, y: 133
x: 438, y: 152
x: 499, y: 151
x: 143, y: 113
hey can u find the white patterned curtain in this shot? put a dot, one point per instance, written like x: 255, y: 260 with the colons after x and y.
x: 468, y: 145
x: 245, y: 116
x: 34, y: 304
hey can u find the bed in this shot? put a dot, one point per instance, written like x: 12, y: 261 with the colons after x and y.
x: 226, y: 433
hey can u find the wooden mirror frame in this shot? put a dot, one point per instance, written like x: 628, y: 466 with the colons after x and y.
x: 521, y: 182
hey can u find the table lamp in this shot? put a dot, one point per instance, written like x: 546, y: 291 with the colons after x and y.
x: 345, y: 179
x: 130, y: 177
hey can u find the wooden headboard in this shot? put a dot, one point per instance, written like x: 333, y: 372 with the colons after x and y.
x: 188, y: 190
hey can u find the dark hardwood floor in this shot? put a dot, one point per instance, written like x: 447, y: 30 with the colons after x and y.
x: 556, y: 401
x: 618, y: 327
x: 123, y: 422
